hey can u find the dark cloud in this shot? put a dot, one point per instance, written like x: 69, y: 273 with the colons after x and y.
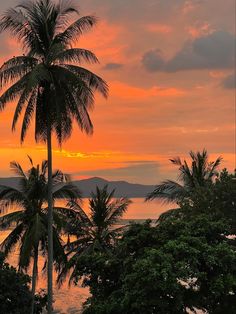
x: 229, y: 82
x: 214, y: 51
x: 113, y: 66
x: 153, y: 60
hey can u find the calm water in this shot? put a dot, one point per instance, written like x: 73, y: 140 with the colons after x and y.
x: 68, y: 300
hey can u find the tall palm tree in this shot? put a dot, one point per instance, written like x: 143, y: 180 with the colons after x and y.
x: 95, y: 231
x: 30, y: 220
x: 48, y: 81
x: 200, y: 172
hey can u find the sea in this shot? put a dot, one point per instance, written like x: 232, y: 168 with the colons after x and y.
x: 70, y: 299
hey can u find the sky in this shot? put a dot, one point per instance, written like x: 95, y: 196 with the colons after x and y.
x: 170, y: 66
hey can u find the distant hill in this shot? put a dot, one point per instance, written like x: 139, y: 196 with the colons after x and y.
x: 122, y: 188
x: 10, y: 181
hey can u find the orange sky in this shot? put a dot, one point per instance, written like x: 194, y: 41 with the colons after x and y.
x: 169, y: 65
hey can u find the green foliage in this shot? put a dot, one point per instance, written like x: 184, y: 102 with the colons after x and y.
x: 186, y: 261
x: 15, y: 295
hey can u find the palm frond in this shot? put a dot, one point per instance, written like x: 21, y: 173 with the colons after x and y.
x: 67, y: 191
x: 59, y: 255
x: 10, y: 196
x: 75, y: 55
x: 44, y: 167
x: 198, y: 173
x: 29, y: 95
x: 168, y: 191
x: 12, y: 239
x: 17, y: 169
x: 176, y: 161
x: 76, y: 97
x: 19, y: 25
x: 74, y: 86
x: 9, y: 219
x: 116, y: 210
x: 95, y: 82
x: 212, y: 169
x: 76, y: 29
x: 10, y: 73
x: 30, y: 160
x: 26, y: 248
x: 28, y: 116
x: 175, y: 212
x: 18, y: 61
x: 64, y: 11
x: 35, y: 231
x: 59, y: 177
x: 83, y: 217
x: 13, y: 92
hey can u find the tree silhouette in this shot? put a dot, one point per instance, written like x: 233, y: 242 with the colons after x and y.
x: 95, y: 231
x: 30, y: 221
x: 48, y: 81
x: 199, y: 173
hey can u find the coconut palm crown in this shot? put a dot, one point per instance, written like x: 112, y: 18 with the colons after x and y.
x: 48, y: 81
x: 200, y: 172
x: 29, y: 221
x: 97, y: 230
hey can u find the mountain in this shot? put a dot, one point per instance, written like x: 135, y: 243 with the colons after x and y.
x: 122, y: 188
x: 86, y: 186
x: 10, y: 181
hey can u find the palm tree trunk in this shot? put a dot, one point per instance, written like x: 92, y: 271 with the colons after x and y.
x: 50, y: 221
x: 34, y: 277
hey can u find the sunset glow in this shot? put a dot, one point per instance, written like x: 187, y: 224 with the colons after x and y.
x: 172, y: 89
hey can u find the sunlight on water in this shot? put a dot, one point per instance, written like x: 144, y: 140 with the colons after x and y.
x: 69, y: 300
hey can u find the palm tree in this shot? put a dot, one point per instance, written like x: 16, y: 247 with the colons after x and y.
x: 199, y: 173
x: 30, y: 220
x: 48, y: 81
x: 95, y: 231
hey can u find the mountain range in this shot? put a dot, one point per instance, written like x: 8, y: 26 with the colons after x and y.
x: 86, y: 186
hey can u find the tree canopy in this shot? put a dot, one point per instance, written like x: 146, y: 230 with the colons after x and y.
x: 186, y: 261
x: 15, y: 295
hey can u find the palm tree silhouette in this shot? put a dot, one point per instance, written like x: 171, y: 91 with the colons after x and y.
x: 199, y: 173
x: 48, y: 81
x: 95, y: 231
x: 30, y: 220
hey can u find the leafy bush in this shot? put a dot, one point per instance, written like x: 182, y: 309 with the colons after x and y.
x: 187, y: 261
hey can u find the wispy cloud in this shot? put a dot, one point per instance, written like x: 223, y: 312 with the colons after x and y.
x: 159, y: 28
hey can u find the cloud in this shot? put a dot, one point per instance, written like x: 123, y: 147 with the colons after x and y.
x: 83, y: 155
x: 212, y: 51
x: 159, y: 28
x: 125, y: 91
x: 200, y: 30
x: 190, y: 5
x: 113, y: 66
x: 133, y: 10
x: 153, y: 60
x: 229, y: 82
